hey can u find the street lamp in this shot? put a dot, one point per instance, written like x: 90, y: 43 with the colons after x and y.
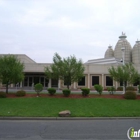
x: 123, y: 53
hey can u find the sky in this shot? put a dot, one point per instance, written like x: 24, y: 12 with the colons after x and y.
x: 83, y: 28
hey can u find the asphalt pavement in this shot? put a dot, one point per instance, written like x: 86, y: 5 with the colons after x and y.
x: 115, y: 129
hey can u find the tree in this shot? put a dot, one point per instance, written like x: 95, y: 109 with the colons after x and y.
x: 68, y: 69
x: 38, y: 88
x: 11, y: 70
x: 124, y: 73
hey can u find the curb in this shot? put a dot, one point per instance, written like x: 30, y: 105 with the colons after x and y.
x: 67, y: 118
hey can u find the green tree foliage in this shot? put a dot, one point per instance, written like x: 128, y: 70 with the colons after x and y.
x: 98, y: 88
x: 20, y: 93
x: 111, y: 90
x: 130, y: 88
x: 2, y: 94
x: 130, y: 95
x: 51, y: 91
x: 138, y: 82
x: 38, y: 88
x: 11, y: 70
x: 66, y: 92
x: 124, y: 73
x: 68, y: 69
x: 85, y: 91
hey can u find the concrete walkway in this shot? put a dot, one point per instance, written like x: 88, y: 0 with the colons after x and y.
x: 30, y: 90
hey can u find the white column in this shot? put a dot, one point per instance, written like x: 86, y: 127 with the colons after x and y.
x: 74, y: 85
x: 12, y: 85
x: 50, y: 83
x: 59, y: 84
x: 44, y: 82
x: 21, y: 84
x: 103, y: 85
x: 116, y: 85
x: 123, y: 56
x: 88, y: 80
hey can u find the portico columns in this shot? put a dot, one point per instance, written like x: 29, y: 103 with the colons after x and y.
x: 116, y: 84
x: 59, y: 84
x: 21, y: 84
x: 88, y: 80
x: 74, y: 85
x: 50, y: 83
x: 103, y: 81
x: 12, y: 85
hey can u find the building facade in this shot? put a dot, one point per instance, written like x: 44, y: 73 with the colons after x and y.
x: 96, y: 70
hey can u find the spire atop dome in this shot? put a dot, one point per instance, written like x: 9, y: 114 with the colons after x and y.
x: 138, y: 41
x: 109, y: 47
x: 123, y: 35
x: 109, y: 52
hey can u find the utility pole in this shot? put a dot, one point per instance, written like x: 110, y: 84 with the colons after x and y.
x: 123, y: 54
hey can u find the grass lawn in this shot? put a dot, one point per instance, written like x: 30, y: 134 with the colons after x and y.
x: 84, y: 107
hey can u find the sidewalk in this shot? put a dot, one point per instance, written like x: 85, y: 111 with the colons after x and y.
x: 30, y: 90
x: 67, y: 118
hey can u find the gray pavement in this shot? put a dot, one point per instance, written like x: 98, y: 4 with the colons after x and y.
x: 67, y: 129
x: 78, y: 91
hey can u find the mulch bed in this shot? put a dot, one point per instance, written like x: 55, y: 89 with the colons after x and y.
x: 74, y: 96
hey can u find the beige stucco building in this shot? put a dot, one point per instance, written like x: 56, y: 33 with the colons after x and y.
x: 96, y: 70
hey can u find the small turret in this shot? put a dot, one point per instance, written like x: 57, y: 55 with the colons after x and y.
x: 109, y: 52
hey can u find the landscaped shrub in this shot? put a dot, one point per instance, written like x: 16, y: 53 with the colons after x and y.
x: 98, y: 88
x: 120, y: 88
x: 130, y: 95
x: 38, y: 88
x: 51, y: 91
x: 66, y: 92
x: 130, y: 88
x: 2, y: 94
x: 111, y: 90
x: 85, y: 91
x: 20, y: 93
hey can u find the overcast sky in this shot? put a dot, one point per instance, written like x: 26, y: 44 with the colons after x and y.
x: 84, y: 28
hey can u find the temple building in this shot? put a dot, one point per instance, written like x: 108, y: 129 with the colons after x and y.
x: 96, y: 70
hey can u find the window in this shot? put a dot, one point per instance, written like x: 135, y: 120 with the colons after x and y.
x: 26, y: 81
x: 121, y: 83
x: 42, y: 81
x: 46, y: 82
x: 95, y: 80
x: 82, y: 82
x: 54, y: 83
x: 67, y: 80
x: 30, y: 81
x: 36, y: 80
x: 137, y: 83
x: 109, y: 81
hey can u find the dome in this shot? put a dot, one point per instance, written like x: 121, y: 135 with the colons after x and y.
x: 136, y: 52
x: 109, y: 52
x: 123, y: 43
